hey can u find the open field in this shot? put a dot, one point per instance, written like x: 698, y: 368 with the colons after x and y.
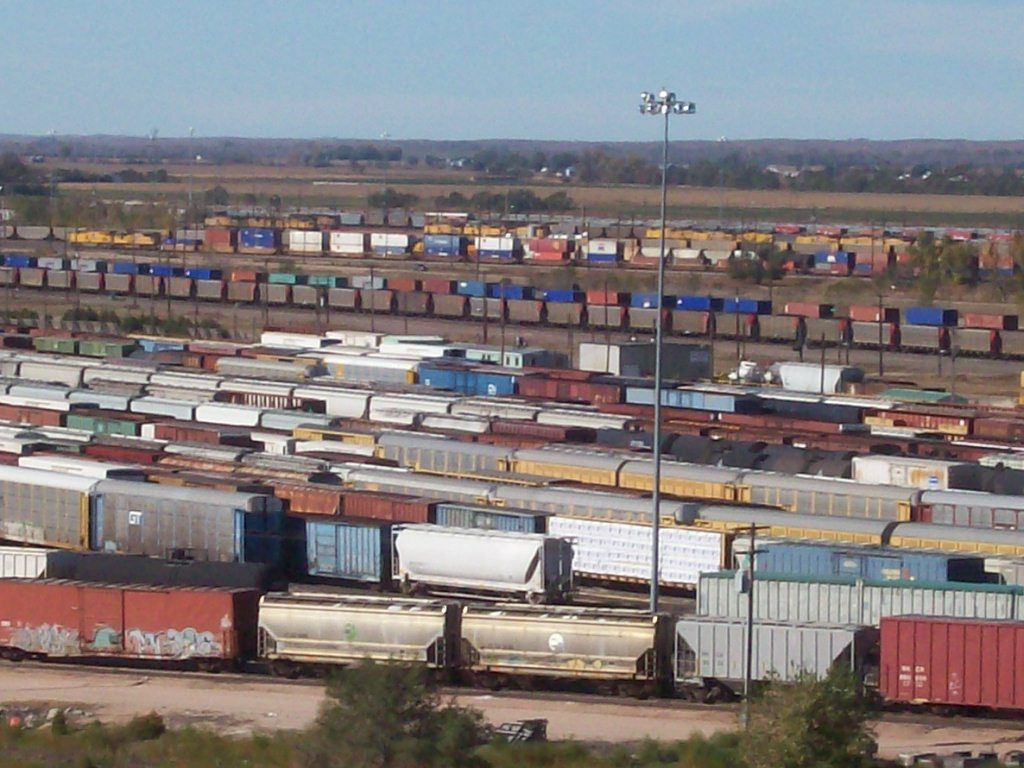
x: 341, y: 186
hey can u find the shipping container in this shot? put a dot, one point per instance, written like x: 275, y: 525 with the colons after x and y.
x: 934, y: 316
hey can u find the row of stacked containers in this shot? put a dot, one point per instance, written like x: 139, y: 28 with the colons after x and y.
x: 520, y: 303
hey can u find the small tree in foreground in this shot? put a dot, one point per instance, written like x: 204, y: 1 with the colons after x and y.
x: 812, y: 723
x: 391, y: 716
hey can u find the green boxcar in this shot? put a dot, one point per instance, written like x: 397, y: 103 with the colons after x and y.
x: 103, y: 426
x: 105, y: 348
x: 60, y: 345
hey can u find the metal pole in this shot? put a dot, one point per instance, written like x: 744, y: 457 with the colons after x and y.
x: 658, y: 338
x: 748, y: 667
x: 881, y: 365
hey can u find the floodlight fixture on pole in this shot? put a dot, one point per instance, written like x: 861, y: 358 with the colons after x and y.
x: 664, y: 102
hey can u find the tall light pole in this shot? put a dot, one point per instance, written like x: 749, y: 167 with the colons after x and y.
x: 664, y: 103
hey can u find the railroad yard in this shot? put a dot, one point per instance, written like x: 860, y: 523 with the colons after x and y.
x: 433, y: 444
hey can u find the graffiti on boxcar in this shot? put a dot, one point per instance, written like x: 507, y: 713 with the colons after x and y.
x: 172, y: 643
x: 51, y: 639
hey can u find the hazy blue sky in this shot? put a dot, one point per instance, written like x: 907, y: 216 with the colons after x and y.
x: 515, y: 69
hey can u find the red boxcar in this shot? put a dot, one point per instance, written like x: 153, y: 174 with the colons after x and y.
x: 42, y: 617
x: 966, y: 662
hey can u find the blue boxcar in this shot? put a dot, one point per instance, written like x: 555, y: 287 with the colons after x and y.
x: 877, y: 563
x: 934, y: 316
x: 455, y: 515
x: 350, y: 551
x: 468, y: 381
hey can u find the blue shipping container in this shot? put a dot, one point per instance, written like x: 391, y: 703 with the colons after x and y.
x: 126, y: 268
x: 735, y: 306
x: 349, y: 551
x: 876, y: 563
x: 602, y: 258
x: 444, y: 245
x: 203, y: 273
x: 699, y: 303
x: 935, y: 316
x: 455, y: 515
x: 563, y: 296
x: 648, y: 301
x: 19, y: 260
x: 832, y: 257
x: 165, y: 270
x: 518, y: 292
x: 257, y: 237
x: 471, y: 288
x: 160, y: 345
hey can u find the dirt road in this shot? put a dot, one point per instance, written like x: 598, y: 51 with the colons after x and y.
x: 233, y: 704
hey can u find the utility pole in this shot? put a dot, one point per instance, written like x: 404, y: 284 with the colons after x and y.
x: 748, y: 666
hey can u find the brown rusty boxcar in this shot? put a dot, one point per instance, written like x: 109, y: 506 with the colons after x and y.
x: 68, y: 619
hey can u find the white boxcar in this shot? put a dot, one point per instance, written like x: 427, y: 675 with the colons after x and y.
x: 711, y: 653
x: 81, y: 467
x: 622, y: 552
x: 536, y: 566
x: 343, y: 629
x: 23, y: 562
x: 229, y: 415
x: 158, y: 406
x: 346, y: 403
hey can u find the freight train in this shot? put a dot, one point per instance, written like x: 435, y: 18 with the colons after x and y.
x: 912, y: 329
x: 909, y: 660
x: 478, y: 643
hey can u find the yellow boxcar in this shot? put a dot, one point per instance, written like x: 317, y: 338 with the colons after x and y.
x: 579, y: 466
x: 687, y: 480
x: 951, y: 538
x: 353, y: 437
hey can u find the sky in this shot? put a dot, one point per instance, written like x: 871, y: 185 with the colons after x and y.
x: 520, y: 69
